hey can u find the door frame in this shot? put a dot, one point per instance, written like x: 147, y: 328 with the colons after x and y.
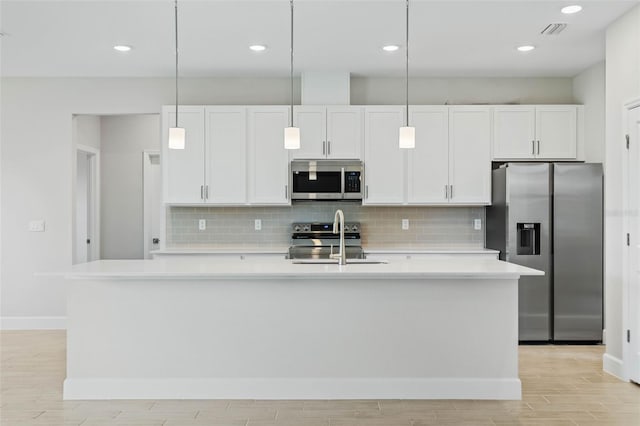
x: 93, y: 203
x: 630, y: 308
x: 146, y: 160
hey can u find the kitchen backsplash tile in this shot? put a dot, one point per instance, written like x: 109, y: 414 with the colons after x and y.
x: 429, y: 227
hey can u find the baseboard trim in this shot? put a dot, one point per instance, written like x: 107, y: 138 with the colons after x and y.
x: 33, y: 323
x: 613, y: 366
x: 299, y: 388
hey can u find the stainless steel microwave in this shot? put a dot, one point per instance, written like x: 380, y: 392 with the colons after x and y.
x: 326, y: 179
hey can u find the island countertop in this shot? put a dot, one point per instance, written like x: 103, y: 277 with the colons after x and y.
x: 194, y: 269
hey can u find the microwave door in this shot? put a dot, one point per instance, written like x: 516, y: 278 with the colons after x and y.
x: 316, y: 185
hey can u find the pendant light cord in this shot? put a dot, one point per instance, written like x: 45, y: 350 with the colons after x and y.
x: 407, y: 63
x: 291, y: 64
x: 176, y: 27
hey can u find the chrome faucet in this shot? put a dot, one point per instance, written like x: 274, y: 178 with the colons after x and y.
x: 342, y: 255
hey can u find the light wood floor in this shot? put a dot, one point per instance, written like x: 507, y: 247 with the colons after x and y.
x: 562, y: 385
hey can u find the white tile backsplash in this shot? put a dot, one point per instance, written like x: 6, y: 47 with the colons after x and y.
x: 429, y: 227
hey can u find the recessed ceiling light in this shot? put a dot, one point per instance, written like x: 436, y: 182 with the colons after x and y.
x: 122, y: 48
x: 568, y: 10
x: 258, y: 47
x: 526, y: 48
x: 390, y: 48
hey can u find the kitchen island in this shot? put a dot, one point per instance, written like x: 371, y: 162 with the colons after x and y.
x: 271, y: 329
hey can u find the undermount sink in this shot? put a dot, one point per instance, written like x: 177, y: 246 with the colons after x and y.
x: 335, y: 261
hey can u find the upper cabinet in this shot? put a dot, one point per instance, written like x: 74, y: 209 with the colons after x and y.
x: 451, y: 163
x: 545, y: 132
x: 384, y: 162
x: 328, y: 132
x: 469, y: 155
x: 183, y: 170
x: 268, y: 160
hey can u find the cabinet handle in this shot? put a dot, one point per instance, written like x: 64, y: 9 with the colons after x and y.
x: 451, y: 191
x: 446, y: 192
x: 328, y: 147
x: 324, y: 148
x: 202, y: 192
x: 538, y: 147
x: 533, y: 147
x: 286, y: 192
x: 366, y: 191
x: 206, y: 192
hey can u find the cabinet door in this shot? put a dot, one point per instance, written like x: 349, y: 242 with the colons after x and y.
x: 428, y: 162
x: 384, y: 161
x: 556, y: 131
x: 268, y: 160
x: 470, y: 155
x: 312, y: 123
x: 226, y: 154
x: 344, y: 132
x: 183, y: 169
x: 513, y: 132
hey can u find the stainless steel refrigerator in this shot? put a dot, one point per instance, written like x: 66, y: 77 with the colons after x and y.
x: 548, y: 216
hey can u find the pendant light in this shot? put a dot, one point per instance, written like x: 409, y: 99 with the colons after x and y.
x: 177, y: 135
x: 407, y: 134
x: 291, y: 133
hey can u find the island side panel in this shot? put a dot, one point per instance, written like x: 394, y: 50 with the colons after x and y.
x: 292, y: 338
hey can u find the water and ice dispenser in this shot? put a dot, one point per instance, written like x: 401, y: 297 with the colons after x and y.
x: 528, y: 242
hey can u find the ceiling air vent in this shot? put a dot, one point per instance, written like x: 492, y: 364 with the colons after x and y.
x: 553, y: 29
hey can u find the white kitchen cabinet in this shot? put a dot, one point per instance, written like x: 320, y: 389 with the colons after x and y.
x: 469, y: 155
x: 183, y: 171
x: 328, y: 132
x: 544, y: 132
x: 428, y: 162
x: 384, y: 162
x: 451, y: 163
x: 226, y: 155
x: 212, y: 168
x: 268, y: 166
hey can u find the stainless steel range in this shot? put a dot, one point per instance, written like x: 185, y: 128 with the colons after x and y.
x: 317, y: 241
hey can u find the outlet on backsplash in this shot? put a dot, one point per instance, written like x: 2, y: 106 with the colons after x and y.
x: 257, y: 225
x: 405, y: 224
x: 202, y: 224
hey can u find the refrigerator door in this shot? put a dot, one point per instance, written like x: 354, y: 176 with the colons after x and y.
x: 529, y: 244
x: 578, y: 251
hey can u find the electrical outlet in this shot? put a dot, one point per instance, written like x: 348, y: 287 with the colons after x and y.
x: 36, y: 226
x: 202, y: 224
x: 477, y: 224
x: 405, y: 224
x: 257, y: 225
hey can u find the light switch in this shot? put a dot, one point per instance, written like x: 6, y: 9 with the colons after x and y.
x: 477, y: 224
x: 257, y: 225
x: 405, y: 224
x: 36, y: 226
x: 202, y: 224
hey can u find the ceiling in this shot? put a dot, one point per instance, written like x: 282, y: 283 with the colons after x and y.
x: 447, y: 38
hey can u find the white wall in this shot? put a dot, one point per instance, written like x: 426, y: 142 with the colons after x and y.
x: 437, y: 91
x: 622, y: 84
x: 589, y: 90
x: 123, y: 140
x: 86, y: 130
x: 38, y: 158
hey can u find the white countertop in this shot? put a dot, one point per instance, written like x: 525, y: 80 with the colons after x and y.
x: 284, y: 250
x: 266, y: 269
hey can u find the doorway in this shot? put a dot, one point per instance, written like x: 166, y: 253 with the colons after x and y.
x: 631, y: 292
x: 86, y: 247
x: 152, y: 208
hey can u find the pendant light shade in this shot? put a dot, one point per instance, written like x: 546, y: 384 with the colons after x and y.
x: 291, y: 138
x: 291, y: 134
x: 177, y: 135
x: 176, y: 138
x: 407, y: 135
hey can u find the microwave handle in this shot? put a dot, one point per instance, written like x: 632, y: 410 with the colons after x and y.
x: 342, y: 181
